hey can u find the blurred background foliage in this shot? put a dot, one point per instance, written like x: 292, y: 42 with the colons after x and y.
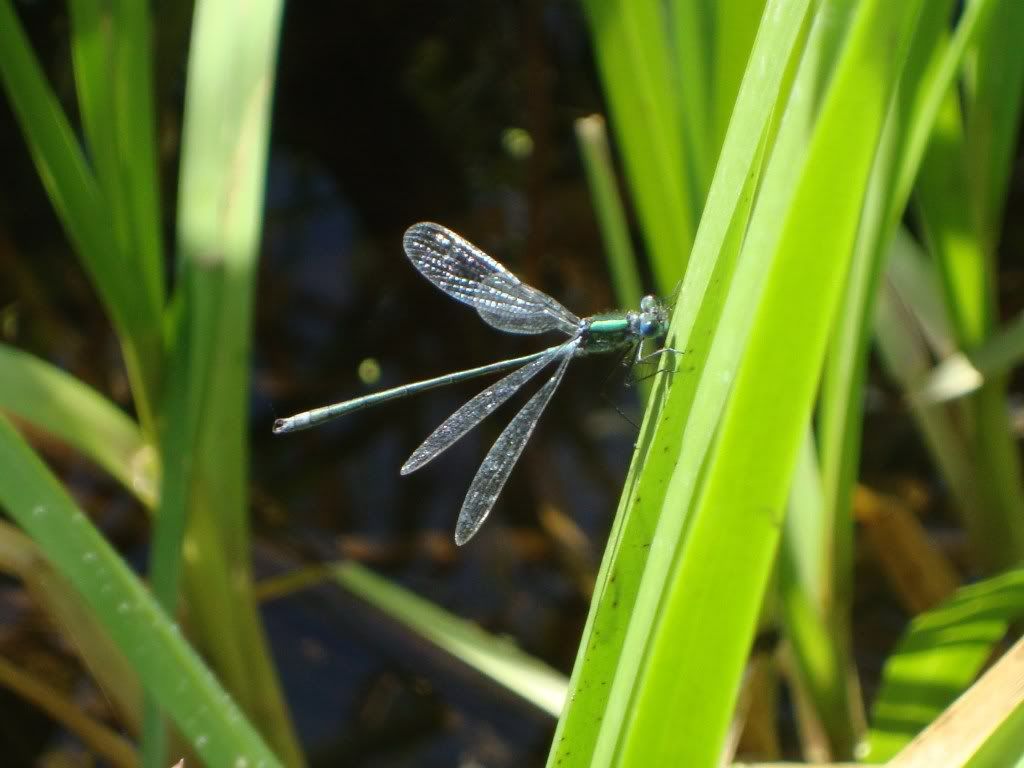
x: 200, y: 230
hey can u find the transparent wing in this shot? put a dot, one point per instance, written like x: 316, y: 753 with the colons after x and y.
x: 469, y: 275
x: 475, y: 411
x: 504, y: 454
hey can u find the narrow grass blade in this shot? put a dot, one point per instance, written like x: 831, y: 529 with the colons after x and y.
x: 734, y: 26
x: 995, y: 98
x: 52, y: 400
x: 747, y: 471
x: 633, y: 60
x: 691, y: 24
x: 929, y: 74
x: 905, y: 355
x: 611, y: 217
x: 912, y: 277
x: 111, y: 53
x: 951, y: 232
x: 931, y: 65
x: 224, y: 149
x: 957, y: 185
x: 169, y: 669
x: 806, y: 606
x: 82, y: 208
x: 685, y: 427
x: 493, y: 657
x: 938, y: 657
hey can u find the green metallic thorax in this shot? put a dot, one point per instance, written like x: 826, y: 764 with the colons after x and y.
x: 607, y: 332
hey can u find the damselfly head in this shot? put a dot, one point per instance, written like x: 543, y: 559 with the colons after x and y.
x: 652, y: 319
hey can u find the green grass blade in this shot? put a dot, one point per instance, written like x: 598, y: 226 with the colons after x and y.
x: 692, y: 43
x: 632, y: 57
x: 596, y: 707
x: 82, y: 208
x: 181, y: 409
x: 227, y: 111
x: 904, y: 352
x: 92, y: 30
x: 842, y: 387
x: 55, y: 150
x: 956, y: 186
x: 748, y: 470
x: 912, y: 276
x: 937, y: 68
x: 493, y: 657
x: 807, y: 606
x: 993, y: 123
x: 950, y: 228
x: 611, y: 217
x: 938, y: 657
x: 994, y: 110
x: 111, y: 52
x: 167, y: 666
x: 931, y: 66
x: 686, y: 424
x: 48, y: 398
x: 735, y: 24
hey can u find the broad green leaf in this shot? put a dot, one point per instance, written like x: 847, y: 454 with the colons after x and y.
x: 982, y: 728
x: 608, y: 659
x: 938, y: 657
x: 730, y: 546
